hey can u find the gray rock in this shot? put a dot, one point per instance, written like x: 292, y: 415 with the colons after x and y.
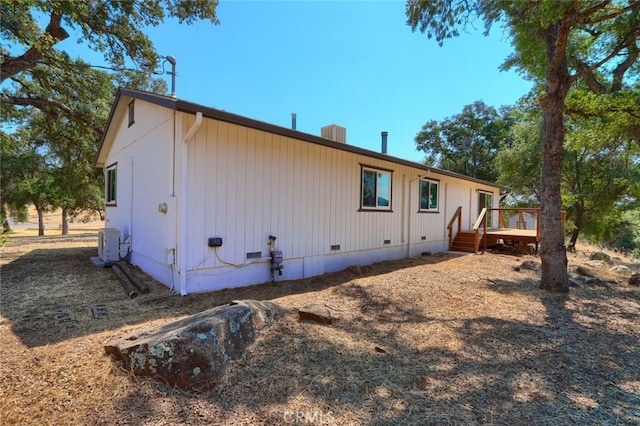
x: 595, y: 263
x: 621, y: 270
x: 597, y: 282
x: 317, y: 313
x: 531, y: 265
x: 600, y: 255
x: 635, y: 279
x: 582, y: 271
x: 192, y: 353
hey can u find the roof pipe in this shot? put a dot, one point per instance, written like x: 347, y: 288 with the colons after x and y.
x: 293, y: 121
x: 384, y: 141
x: 172, y: 61
x: 184, y: 188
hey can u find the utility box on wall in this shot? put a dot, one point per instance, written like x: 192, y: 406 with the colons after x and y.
x: 109, y: 245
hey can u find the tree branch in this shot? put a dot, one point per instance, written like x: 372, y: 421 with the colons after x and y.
x: 43, y: 104
x: 587, y: 71
x: 53, y: 34
x: 618, y: 72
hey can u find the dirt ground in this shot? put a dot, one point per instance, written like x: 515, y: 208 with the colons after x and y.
x: 444, y: 339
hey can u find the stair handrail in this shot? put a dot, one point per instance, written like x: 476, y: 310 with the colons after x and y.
x: 482, y: 220
x: 457, y: 215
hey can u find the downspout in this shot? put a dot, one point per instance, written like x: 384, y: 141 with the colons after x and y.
x: 184, y: 187
x: 409, y: 219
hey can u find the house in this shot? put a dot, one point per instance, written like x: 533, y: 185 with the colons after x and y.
x: 195, y: 194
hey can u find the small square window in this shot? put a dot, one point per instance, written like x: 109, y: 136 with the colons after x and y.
x: 376, y: 189
x: 111, y: 184
x: 428, y: 195
x: 131, y: 113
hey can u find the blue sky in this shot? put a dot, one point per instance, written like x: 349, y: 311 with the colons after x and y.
x: 356, y: 64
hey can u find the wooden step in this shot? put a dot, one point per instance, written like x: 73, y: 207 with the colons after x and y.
x: 465, y: 242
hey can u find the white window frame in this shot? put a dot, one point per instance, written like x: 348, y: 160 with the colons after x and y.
x: 111, y: 184
x: 379, y: 174
x: 429, y: 183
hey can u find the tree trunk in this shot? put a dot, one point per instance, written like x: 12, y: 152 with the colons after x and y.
x: 578, y: 225
x: 553, y: 254
x: 65, y: 221
x: 40, y: 220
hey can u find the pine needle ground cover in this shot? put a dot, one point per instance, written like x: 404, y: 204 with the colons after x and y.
x: 443, y: 339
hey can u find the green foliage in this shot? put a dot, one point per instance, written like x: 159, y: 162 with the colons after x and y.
x: 55, y: 107
x: 518, y: 162
x: 114, y: 28
x: 42, y: 76
x: 468, y: 142
x: 626, y: 234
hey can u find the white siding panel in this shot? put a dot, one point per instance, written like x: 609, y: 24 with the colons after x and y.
x: 246, y: 184
x: 252, y: 206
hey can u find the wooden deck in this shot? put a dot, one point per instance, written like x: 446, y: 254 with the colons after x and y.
x: 481, y: 236
x: 514, y: 234
x: 513, y: 237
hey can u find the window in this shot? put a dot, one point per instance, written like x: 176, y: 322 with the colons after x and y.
x: 376, y: 189
x: 111, y: 181
x: 131, y: 113
x: 428, y: 195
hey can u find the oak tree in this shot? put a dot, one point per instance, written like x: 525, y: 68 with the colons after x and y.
x: 557, y: 43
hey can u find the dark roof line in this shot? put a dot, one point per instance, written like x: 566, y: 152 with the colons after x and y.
x: 216, y: 114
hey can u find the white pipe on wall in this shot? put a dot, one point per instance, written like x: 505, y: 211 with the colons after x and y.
x: 184, y: 187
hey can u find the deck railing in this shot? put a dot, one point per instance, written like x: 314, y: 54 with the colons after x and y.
x: 521, y: 222
x: 456, y: 216
x: 481, y: 221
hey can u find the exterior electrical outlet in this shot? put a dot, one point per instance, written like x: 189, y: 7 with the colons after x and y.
x: 215, y: 242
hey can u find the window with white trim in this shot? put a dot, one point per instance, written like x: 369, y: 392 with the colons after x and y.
x: 111, y: 184
x: 376, y: 189
x: 429, y: 195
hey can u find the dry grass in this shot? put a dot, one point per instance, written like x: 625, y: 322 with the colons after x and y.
x: 432, y: 340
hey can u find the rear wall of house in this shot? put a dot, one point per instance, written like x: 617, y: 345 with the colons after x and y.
x: 247, y: 184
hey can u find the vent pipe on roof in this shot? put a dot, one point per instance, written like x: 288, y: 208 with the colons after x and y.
x: 172, y: 61
x: 293, y: 121
x: 384, y: 141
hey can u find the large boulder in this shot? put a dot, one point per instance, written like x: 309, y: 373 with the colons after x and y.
x: 192, y: 353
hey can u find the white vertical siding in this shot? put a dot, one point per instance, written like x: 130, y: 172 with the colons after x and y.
x: 246, y: 184
x: 145, y: 172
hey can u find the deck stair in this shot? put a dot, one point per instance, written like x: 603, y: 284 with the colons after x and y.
x: 464, y: 241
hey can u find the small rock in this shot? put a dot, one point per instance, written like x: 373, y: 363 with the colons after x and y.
x: 597, y: 282
x: 530, y: 265
x: 595, y: 263
x: 317, y: 313
x: 635, y: 279
x: 600, y: 255
x: 572, y: 283
x: 426, y: 253
x: 581, y: 270
x: 621, y: 270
